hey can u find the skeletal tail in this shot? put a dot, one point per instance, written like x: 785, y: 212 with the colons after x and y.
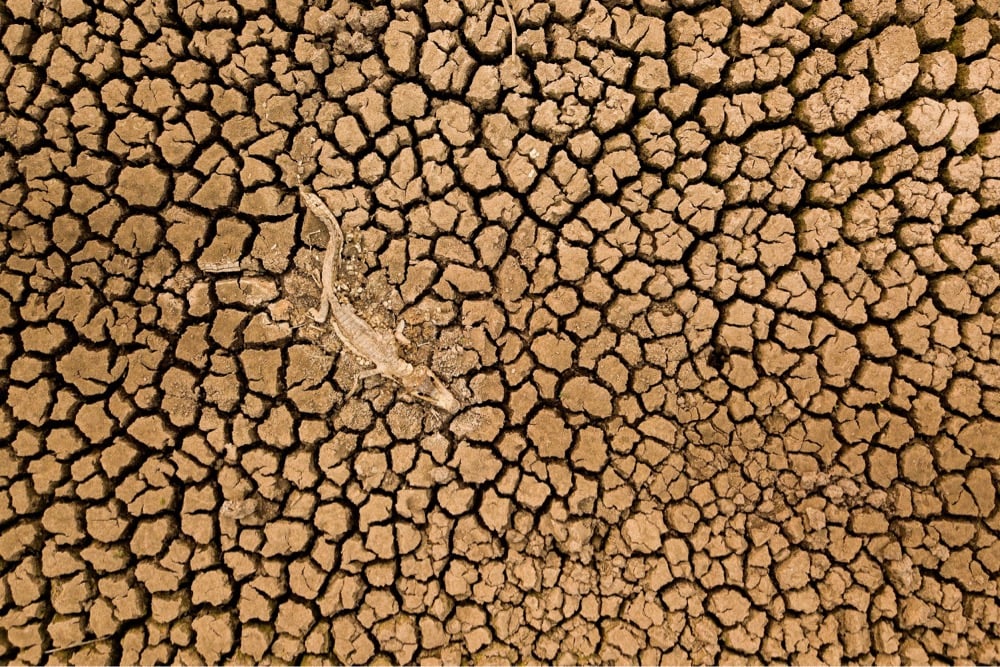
x: 331, y: 261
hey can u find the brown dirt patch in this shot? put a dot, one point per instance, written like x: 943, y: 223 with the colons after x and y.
x: 715, y: 284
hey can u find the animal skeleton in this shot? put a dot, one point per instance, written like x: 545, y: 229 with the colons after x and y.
x: 358, y: 336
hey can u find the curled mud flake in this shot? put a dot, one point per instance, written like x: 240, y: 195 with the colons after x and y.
x: 642, y: 532
x: 214, y: 634
x: 980, y: 438
x: 143, y: 186
x: 931, y: 122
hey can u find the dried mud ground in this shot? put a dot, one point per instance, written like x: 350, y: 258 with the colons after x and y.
x: 715, y: 282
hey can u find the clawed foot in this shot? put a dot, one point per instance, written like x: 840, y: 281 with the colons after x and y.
x: 359, y: 380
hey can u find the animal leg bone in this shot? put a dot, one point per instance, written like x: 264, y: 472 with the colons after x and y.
x: 400, y: 336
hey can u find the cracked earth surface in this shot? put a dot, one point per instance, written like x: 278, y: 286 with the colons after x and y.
x: 715, y: 282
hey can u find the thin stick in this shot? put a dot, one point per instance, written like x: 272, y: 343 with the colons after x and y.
x: 231, y: 266
x: 80, y: 644
x: 513, y: 28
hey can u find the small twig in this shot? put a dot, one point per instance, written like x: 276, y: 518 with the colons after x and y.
x: 70, y: 647
x: 513, y: 27
x: 231, y: 266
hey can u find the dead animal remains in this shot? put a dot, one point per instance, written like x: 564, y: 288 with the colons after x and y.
x: 358, y: 336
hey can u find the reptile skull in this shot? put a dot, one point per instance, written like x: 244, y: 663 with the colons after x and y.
x: 424, y: 385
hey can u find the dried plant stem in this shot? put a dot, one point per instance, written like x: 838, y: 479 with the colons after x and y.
x: 513, y: 27
x: 70, y: 647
